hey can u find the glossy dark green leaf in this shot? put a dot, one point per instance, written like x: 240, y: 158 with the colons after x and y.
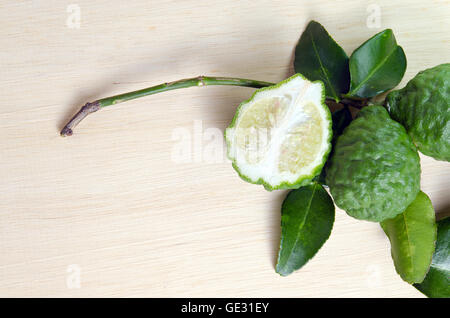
x: 319, y: 57
x: 341, y: 119
x: 437, y: 282
x: 321, y: 178
x: 307, y: 217
x: 376, y: 66
x: 412, y: 235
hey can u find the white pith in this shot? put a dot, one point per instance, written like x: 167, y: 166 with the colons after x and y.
x: 299, y: 92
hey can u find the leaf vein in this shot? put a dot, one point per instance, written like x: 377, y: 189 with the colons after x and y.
x: 301, y: 225
x: 322, y: 67
x: 371, y: 73
x: 409, y: 242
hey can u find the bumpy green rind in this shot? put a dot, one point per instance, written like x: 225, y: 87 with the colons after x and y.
x: 374, y: 172
x: 302, y: 180
x: 437, y: 282
x: 423, y: 107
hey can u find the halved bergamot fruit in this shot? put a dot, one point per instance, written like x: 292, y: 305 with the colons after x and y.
x: 281, y: 136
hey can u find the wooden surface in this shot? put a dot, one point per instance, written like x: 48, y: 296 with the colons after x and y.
x: 110, y: 203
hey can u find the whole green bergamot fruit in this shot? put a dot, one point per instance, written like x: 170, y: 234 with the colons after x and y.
x: 422, y: 106
x: 374, y: 173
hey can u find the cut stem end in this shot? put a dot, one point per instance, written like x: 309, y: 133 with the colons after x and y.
x: 87, y: 109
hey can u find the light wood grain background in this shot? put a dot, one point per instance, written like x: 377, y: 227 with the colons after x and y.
x: 112, y: 203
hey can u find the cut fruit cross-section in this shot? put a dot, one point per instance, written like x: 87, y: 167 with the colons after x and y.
x: 280, y: 137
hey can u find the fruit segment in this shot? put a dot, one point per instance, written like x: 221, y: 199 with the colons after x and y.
x: 280, y: 137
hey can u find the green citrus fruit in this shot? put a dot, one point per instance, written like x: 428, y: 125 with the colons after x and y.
x: 422, y: 106
x: 280, y: 137
x: 374, y: 172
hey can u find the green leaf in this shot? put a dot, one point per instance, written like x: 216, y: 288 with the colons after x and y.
x: 376, y: 66
x: 341, y: 119
x: 307, y: 217
x: 437, y: 282
x: 319, y: 57
x: 412, y: 235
